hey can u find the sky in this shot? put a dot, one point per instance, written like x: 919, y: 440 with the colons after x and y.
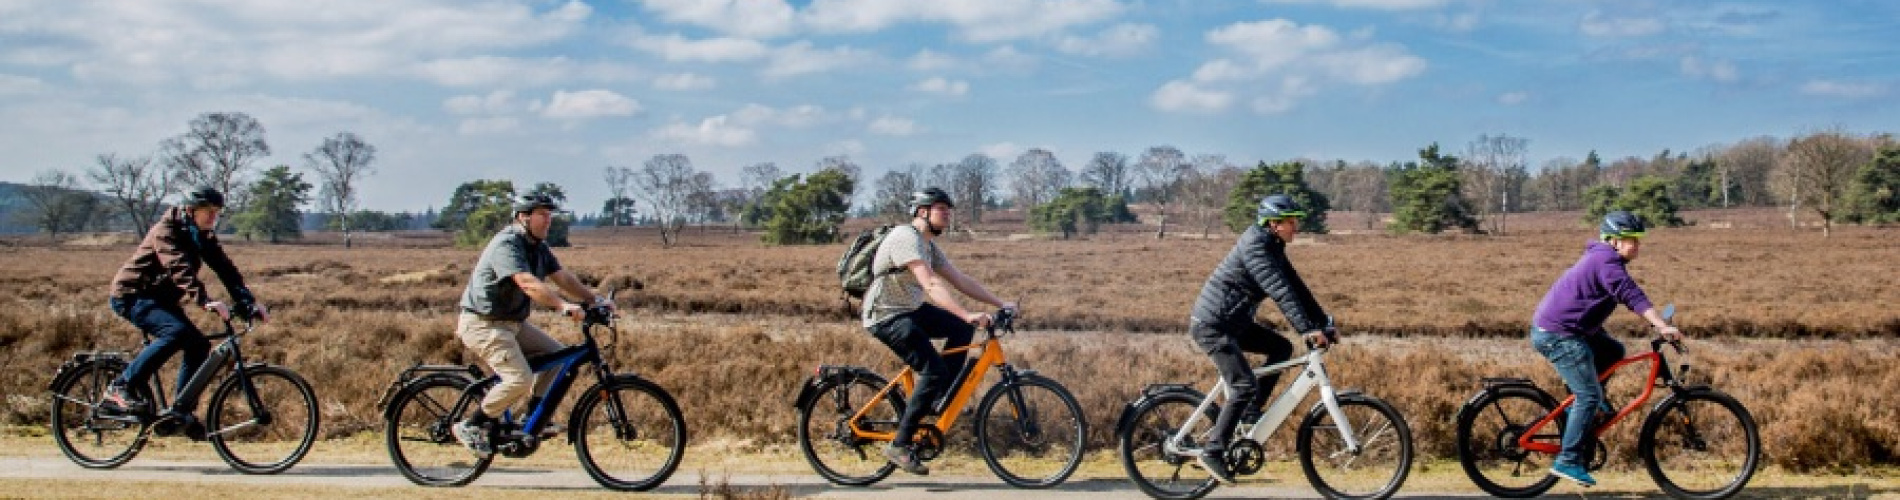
x: 550, y: 90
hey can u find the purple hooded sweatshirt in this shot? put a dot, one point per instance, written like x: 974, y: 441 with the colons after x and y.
x: 1588, y: 292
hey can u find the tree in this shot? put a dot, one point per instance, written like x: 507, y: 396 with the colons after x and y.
x: 1817, y: 170
x: 618, y: 210
x: 341, y: 161
x: 809, y: 211
x: 1494, y: 175
x: 972, y: 184
x: 476, y: 210
x: 891, y: 198
x: 1036, y: 176
x: 1072, y: 211
x: 1648, y: 197
x: 57, y: 204
x: 1159, y: 174
x: 561, y: 222
x: 272, y: 212
x: 1288, y: 178
x: 1744, y: 170
x: 1205, y: 186
x: 1107, y: 172
x: 1425, y: 195
x: 667, y: 182
x: 1599, y: 200
x: 138, y: 187
x: 1875, y: 195
x: 756, y: 179
x: 217, y: 152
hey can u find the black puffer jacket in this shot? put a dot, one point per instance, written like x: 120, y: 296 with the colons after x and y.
x: 1255, y: 270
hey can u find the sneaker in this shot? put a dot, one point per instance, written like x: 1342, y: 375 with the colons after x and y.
x: 1573, y: 472
x: 117, y: 399
x: 475, y: 437
x: 1214, y: 461
x: 906, y: 460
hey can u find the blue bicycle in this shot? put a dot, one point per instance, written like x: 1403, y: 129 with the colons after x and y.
x: 627, y: 431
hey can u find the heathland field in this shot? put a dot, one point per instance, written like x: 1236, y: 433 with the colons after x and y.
x: 1803, y: 330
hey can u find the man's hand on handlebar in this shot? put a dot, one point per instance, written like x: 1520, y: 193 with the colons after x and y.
x: 1670, y: 333
x: 979, y: 320
x: 1318, y: 339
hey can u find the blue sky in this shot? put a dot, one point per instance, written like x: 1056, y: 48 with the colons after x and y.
x: 543, y: 90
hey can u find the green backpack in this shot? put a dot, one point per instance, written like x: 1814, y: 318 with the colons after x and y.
x: 854, y: 268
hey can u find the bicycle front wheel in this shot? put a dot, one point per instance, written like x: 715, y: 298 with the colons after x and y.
x: 1376, y: 469
x: 1031, y: 432
x: 628, y: 433
x: 91, y: 438
x: 420, y: 432
x: 269, y: 434
x: 1700, y: 444
x: 825, y: 436
x: 1158, y: 471
x: 1488, y: 432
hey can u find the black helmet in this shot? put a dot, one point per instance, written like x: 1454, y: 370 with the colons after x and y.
x: 1621, y: 224
x: 930, y: 196
x: 529, y: 202
x: 205, y: 196
x: 1279, y: 206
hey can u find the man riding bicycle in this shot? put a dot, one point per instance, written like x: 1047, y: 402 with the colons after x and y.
x: 513, y: 273
x: 1223, y: 319
x: 1568, y: 328
x: 904, y: 310
x: 147, y: 290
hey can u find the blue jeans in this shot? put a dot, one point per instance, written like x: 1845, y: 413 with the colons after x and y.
x: 1579, y: 359
x: 908, y: 335
x: 171, y: 332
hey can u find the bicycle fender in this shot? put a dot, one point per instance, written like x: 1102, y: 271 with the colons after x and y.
x: 382, y: 405
x: 1149, y: 393
x: 71, y: 366
x: 828, y: 374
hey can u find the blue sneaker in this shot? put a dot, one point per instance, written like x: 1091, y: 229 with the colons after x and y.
x: 1574, y: 473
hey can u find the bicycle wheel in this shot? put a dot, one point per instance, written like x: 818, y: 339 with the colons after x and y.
x: 1159, y: 473
x: 628, y: 433
x: 92, y: 439
x: 270, y: 434
x: 420, y: 437
x: 1488, y: 430
x: 1376, y: 470
x: 828, y: 443
x: 1700, y: 444
x: 1031, y: 433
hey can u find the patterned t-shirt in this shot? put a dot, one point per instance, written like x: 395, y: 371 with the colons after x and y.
x: 895, y: 293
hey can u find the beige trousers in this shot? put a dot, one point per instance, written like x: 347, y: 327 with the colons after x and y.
x: 504, y: 346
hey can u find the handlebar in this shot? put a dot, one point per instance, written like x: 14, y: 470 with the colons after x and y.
x: 1004, y: 319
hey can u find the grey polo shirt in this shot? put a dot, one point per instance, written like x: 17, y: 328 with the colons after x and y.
x: 492, y: 292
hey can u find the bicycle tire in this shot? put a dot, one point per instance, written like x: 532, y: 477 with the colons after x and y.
x: 418, y: 432
x: 1382, y: 435
x: 1140, y: 445
x: 1710, y: 425
x: 282, y: 439
x: 845, y: 397
x: 1013, y: 434
x: 76, y: 416
x: 634, y: 416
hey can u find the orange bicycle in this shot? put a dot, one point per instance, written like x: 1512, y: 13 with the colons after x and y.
x: 1029, y: 428
x: 1697, y: 442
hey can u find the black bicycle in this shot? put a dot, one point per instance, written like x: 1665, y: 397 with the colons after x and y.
x: 627, y: 431
x: 262, y: 418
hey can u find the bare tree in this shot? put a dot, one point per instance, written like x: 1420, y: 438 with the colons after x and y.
x: 58, y: 206
x: 1494, y: 176
x: 893, y: 193
x: 137, y: 185
x: 1036, y: 177
x: 217, y: 151
x: 1818, y: 168
x: 1108, y: 172
x: 973, y: 184
x: 1205, y: 185
x: 1745, y: 168
x: 668, y: 182
x: 619, y: 180
x: 1159, y: 174
x: 341, y: 161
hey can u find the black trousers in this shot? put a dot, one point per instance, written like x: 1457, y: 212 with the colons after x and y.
x: 1225, y: 344
x: 908, y: 335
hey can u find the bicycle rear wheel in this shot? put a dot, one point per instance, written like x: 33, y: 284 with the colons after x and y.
x: 1488, y: 430
x: 1159, y: 473
x: 827, y: 441
x: 90, y: 438
x: 419, y: 432
x: 1031, y: 433
x: 1376, y: 470
x: 629, y: 434
x: 1700, y: 444
x: 265, y: 436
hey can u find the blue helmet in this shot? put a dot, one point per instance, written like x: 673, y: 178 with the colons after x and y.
x: 1279, y: 206
x: 1621, y: 224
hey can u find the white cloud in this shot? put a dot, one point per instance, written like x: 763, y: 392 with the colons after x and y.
x: 714, y: 131
x: 1117, y: 41
x: 847, y: 147
x: 1846, y: 90
x: 1597, y: 25
x: 1514, y: 98
x: 799, y: 58
x: 927, y: 60
x: 589, y: 104
x: 500, y: 101
x: 1001, y: 150
x: 684, y: 81
x: 1368, y: 4
x: 1007, y: 57
x: 975, y: 21
x: 14, y: 84
x: 940, y: 85
x: 1180, y: 96
x: 889, y: 125
x: 678, y: 48
x: 488, y: 126
x: 1719, y: 70
x: 801, y: 116
x: 748, y: 18
x: 491, y: 71
x: 1463, y: 22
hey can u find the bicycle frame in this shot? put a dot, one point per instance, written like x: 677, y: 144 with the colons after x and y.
x: 965, y: 385
x: 1313, y: 375
x: 1658, y: 370
x: 565, y: 364
x: 215, y: 361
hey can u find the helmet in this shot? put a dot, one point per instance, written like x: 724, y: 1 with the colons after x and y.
x: 1621, y: 224
x: 1279, y: 206
x: 205, y: 196
x: 930, y: 196
x: 529, y: 202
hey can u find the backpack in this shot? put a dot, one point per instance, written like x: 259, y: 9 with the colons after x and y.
x: 854, y: 268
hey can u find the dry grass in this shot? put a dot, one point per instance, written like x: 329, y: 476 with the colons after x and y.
x: 1801, y: 329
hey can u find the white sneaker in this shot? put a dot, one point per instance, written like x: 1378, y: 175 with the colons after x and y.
x: 475, y: 437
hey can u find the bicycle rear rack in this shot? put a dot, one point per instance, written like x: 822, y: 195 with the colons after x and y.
x: 420, y: 370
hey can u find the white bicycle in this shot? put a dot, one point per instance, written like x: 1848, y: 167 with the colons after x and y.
x: 1350, y: 445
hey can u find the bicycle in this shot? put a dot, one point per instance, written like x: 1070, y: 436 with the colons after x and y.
x: 1363, y: 443
x: 626, y: 431
x: 261, y: 419
x: 1023, y: 422
x: 1707, y: 434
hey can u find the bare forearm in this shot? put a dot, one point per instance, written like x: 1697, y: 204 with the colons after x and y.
x: 1655, y: 318
x: 573, y: 286
x: 969, y: 286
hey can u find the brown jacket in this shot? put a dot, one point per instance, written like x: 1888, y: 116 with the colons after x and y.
x: 165, y: 266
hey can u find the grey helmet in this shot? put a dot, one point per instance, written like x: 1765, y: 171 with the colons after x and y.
x: 529, y: 202
x: 930, y: 196
x: 205, y: 196
x: 1279, y: 206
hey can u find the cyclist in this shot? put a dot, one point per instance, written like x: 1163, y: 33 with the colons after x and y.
x: 904, y: 310
x: 1223, y: 324
x: 147, y: 290
x: 1568, y: 328
x: 516, y: 270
